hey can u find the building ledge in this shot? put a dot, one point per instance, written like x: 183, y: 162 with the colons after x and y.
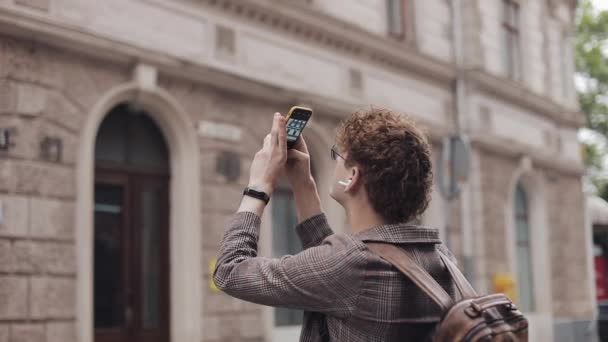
x: 518, y: 95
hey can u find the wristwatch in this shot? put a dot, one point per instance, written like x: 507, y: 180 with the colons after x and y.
x: 261, y: 195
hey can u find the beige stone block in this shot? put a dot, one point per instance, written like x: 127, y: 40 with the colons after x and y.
x: 52, y: 298
x: 30, y: 62
x: 220, y: 303
x: 44, y: 257
x: 8, y: 96
x: 23, y: 260
x: 61, y: 110
x: 251, y: 326
x: 13, y: 297
x: 6, y: 256
x: 42, y: 5
x: 31, y: 99
x: 8, y: 178
x: 211, y: 328
x: 209, y: 162
x: 52, y: 218
x: 214, y: 225
x: 60, y: 332
x: 86, y: 80
x: 4, y: 332
x: 57, y: 258
x: 251, y: 308
x: 15, y: 215
x: 225, y: 198
x: 24, y: 136
x: 44, y: 179
x: 27, y: 332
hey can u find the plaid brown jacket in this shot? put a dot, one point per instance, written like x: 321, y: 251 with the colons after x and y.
x: 347, y: 292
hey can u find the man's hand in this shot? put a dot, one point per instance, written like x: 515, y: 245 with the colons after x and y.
x: 269, y: 162
x: 297, y: 168
x: 299, y: 175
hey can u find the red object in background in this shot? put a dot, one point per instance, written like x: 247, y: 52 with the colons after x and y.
x: 600, y: 278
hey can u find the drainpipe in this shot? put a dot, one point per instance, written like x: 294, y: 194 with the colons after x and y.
x: 460, y: 116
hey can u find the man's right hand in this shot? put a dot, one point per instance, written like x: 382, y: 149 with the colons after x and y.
x: 297, y: 168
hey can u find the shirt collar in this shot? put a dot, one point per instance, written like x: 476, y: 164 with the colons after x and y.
x: 399, y: 233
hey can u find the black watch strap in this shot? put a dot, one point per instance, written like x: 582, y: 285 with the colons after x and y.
x: 261, y: 195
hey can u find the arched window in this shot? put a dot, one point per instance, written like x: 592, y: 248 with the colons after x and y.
x: 131, y: 232
x: 523, y: 250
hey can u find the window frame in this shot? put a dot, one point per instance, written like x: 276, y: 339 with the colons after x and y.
x: 510, y: 25
x: 405, y: 25
x: 521, y: 194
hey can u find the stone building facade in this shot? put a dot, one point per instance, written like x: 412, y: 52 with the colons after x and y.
x: 196, y: 82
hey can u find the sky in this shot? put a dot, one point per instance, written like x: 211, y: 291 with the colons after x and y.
x: 600, y: 4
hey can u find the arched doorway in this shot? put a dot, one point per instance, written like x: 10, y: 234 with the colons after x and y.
x: 131, y: 229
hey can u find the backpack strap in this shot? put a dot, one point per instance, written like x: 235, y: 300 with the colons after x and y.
x: 463, y: 285
x: 402, y: 260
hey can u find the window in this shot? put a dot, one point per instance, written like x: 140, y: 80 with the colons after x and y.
x: 523, y: 251
x: 131, y: 229
x: 511, y: 44
x: 396, y: 19
x: 566, y: 66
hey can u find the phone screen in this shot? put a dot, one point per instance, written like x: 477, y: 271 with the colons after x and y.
x: 295, y: 124
x: 294, y: 128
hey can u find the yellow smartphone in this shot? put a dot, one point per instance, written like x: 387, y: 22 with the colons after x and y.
x: 296, y: 120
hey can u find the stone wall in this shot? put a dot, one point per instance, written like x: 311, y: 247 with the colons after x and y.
x: 546, y: 52
x: 44, y: 95
x: 496, y: 175
x: 565, y: 226
x: 565, y: 200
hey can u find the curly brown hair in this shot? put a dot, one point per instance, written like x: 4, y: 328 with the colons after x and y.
x: 395, y: 161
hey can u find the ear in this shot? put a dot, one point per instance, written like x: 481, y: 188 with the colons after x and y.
x: 355, y: 179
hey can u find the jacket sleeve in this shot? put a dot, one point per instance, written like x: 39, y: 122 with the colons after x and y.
x: 326, y: 278
x: 313, y: 231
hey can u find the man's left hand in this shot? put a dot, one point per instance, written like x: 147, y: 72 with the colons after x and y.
x: 269, y: 162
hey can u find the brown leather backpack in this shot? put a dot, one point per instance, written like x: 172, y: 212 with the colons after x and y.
x: 473, y: 318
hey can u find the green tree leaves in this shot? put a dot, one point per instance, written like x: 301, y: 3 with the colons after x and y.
x: 591, y: 59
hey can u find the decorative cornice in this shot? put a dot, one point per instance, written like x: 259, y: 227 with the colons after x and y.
x: 552, y: 5
x: 314, y: 27
x: 516, y: 94
x: 540, y: 158
x: 46, y: 31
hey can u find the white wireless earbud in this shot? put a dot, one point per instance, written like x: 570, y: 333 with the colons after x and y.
x: 345, y: 183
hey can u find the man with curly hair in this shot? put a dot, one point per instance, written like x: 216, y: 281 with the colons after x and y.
x: 382, y: 178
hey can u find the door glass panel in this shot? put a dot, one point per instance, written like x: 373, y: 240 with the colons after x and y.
x: 108, y: 282
x: 131, y: 140
x: 151, y: 258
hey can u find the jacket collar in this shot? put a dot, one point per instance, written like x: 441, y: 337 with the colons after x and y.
x: 399, y: 233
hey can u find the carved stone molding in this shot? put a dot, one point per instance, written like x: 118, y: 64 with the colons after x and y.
x: 313, y: 27
x: 536, y: 157
x: 307, y: 26
x: 553, y: 4
x: 516, y: 94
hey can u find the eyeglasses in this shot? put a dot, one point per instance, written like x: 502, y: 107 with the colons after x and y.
x: 334, y: 153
